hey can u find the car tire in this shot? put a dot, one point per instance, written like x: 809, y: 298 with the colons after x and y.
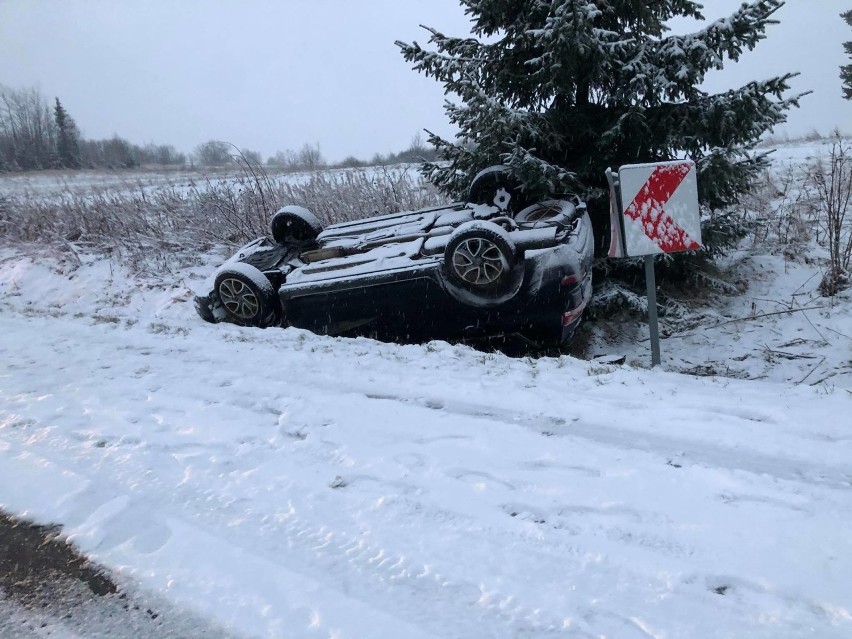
x: 541, y: 213
x: 480, y: 257
x: 495, y: 186
x: 248, y: 298
x: 294, y: 225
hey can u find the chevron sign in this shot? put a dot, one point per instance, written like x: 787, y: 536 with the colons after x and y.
x: 660, y: 208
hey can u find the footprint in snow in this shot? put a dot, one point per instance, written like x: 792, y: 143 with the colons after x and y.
x: 479, y: 479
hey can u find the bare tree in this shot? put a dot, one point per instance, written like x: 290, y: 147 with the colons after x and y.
x: 251, y: 156
x: 286, y: 158
x: 27, y: 130
x: 417, y: 145
x: 834, y: 188
x: 213, y: 153
x: 162, y: 154
x: 310, y: 157
x: 118, y: 153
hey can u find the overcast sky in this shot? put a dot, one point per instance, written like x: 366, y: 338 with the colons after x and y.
x: 275, y: 74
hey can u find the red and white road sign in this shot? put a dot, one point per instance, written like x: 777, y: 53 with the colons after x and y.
x: 660, y: 208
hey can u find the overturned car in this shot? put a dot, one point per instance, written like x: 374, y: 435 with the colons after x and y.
x: 493, y: 267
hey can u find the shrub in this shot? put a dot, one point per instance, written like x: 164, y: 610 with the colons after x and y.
x: 151, y: 226
x: 833, y: 184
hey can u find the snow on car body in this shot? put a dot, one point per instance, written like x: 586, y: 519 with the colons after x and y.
x: 493, y: 266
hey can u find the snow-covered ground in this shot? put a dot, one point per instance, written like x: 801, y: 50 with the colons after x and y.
x: 54, y: 183
x: 283, y: 484
x: 780, y: 329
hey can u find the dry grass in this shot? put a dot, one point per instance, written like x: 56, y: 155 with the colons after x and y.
x: 792, y: 210
x: 150, y: 226
x: 781, y: 212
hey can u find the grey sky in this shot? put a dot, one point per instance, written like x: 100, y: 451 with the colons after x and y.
x: 271, y: 75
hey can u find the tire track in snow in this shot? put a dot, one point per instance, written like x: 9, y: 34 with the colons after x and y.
x: 685, y: 450
x: 299, y: 543
x: 413, y: 592
x: 363, y: 558
x: 115, y: 503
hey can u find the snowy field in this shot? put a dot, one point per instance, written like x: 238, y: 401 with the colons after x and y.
x: 54, y: 183
x: 280, y: 484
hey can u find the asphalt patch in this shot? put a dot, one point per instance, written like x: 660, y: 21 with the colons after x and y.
x: 34, y: 556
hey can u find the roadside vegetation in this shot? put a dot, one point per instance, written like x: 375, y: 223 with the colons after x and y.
x: 804, y: 212
x: 158, y: 226
x: 800, y: 211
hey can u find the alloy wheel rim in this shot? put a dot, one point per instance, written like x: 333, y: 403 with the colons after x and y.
x: 479, y: 262
x: 238, y: 298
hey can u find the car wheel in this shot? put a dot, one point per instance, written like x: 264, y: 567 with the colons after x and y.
x: 294, y: 225
x: 479, y: 257
x: 247, y: 296
x: 495, y: 186
x: 540, y: 213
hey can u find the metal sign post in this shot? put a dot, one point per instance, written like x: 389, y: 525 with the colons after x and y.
x: 653, y: 210
x: 651, y: 291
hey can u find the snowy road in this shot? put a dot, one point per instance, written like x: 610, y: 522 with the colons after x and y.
x: 284, y: 484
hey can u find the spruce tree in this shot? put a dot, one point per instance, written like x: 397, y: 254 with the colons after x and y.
x: 67, y: 138
x: 846, y: 71
x: 559, y: 90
